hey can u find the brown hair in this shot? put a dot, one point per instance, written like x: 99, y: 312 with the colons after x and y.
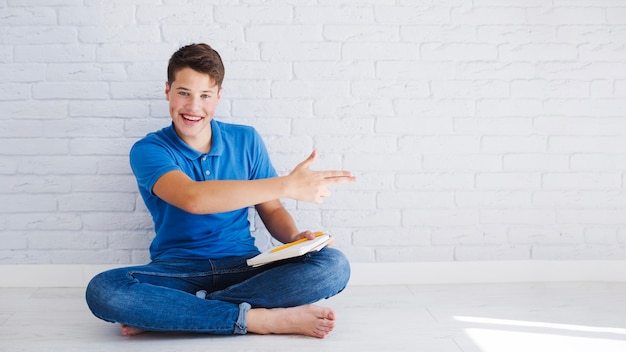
x: 199, y: 57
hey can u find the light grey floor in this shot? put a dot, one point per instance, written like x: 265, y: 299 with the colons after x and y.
x: 531, y: 317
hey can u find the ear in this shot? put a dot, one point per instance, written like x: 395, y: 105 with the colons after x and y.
x: 219, y: 93
x: 167, y: 91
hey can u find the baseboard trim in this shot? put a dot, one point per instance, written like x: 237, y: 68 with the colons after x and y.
x: 78, y: 275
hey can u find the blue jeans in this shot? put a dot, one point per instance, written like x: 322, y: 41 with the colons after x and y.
x: 169, y: 295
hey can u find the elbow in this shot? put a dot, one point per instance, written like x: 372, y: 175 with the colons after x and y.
x: 192, y: 204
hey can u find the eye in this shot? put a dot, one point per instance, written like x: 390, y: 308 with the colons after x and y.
x: 205, y: 96
x: 183, y: 93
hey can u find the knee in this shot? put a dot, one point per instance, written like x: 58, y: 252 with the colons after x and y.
x: 100, y: 294
x: 337, y: 266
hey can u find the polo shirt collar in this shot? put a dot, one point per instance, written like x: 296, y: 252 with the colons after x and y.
x: 217, y: 142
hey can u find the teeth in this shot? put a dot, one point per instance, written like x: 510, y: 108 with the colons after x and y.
x: 192, y: 118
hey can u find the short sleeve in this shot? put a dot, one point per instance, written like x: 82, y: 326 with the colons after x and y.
x: 149, y: 161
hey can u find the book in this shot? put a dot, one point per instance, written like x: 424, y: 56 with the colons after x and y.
x: 291, y: 250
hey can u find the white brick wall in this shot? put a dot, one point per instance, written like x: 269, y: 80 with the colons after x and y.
x: 478, y: 129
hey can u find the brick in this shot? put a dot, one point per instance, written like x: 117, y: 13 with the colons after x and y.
x: 449, y: 217
x: 488, y: 15
x: 22, y: 16
x: 361, y: 33
x: 445, y: 33
x: 538, y: 52
x: 597, y: 162
x: 133, y: 52
x: 166, y: 14
x: 380, y: 51
x: 55, y: 53
x: 517, y: 216
x: 545, y: 235
x: 440, y: 144
x: 516, y: 144
x: 352, y: 108
x: 84, y: 127
x: 462, y: 162
x: 550, y: 89
x: 253, y: 14
x: 414, y: 70
x: 356, y: 144
x: 301, y: 51
x: 119, y: 34
x: 492, y: 252
x: 604, y: 52
x: 492, y: 199
x: 601, y: 235
x: 461, y: 236
x: 272, y: 108
x: 496, y: 70
x: 73, y: 72
x: 434, y: 181
x: 322, y: 126
x: 360, y: 219
x: 23, y: 72
x: 100, y: 146
x: 38, y: 34
x: 580, y: 199
x: 389, y: 89
x: 211, y: 33
x: 564, y: 15
x: 451, y: 89
x: 535, y: 161
x: 435, y: 107
x: 109, y: 108
x: 494, y: 125
x: 28, y: 203
x: 415, y: 254
x: 415, y: 200
x: 414, y: 125
x: 66, y: 240
x: 590, y: 216
x: 35, y: 184
x: 516, y: 33
x: 582, y: 181
x: 32, y: 146
x: 456, y: 51
x: 284, y: 33
x: 75, y: 90
x: 577, y: 252
x: 402, y: 238
x: 96, y: 202
x: 508, y: 180
x: 581, y: 70
x: 509, y: 107
x: 585, y: 144
x: 109, y: 13
x: 48, y: 221
x: 308, y: 89
x: 58, y: 165
x: 371, y: 163
x: 15, y: 91
x: 333, y: 14
x: 341, y: 70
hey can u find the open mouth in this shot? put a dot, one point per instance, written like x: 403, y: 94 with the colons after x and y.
x: 191, y: 118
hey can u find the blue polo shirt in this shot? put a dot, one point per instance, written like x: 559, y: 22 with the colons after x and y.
x: 237, y: 153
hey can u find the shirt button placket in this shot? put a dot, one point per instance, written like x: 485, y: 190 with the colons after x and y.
x: 205, y: 167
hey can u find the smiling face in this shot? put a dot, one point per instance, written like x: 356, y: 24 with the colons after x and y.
x: 193, y: 97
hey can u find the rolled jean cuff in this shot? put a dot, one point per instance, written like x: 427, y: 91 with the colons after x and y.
x: 241, y: 326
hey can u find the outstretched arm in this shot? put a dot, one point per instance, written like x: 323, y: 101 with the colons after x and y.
x: 207, y: 197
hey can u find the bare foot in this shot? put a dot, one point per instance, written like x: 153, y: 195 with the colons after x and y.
x: 309, y: 320
x: 130, y: 331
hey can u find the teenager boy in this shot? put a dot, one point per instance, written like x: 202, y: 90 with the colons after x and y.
x: 197, y: 178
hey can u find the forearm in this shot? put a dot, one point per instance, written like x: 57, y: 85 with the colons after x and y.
x: 278, y: 222
x: 211, y: 197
